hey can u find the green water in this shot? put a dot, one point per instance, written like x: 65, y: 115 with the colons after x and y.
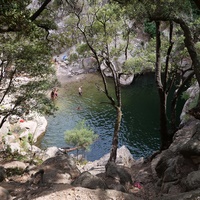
x: 140, y: 123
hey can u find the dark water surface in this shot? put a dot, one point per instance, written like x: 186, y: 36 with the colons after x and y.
x: 140, y: 123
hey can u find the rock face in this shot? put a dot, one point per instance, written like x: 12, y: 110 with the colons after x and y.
x: 125, y: 79
x: 172, y: 174
x: 177, y: 168
x: 124, y: 158
x: 59, y: 169
x: 192, y: 92
x: 36, y: 126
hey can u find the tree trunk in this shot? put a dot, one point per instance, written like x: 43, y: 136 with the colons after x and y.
x: 113, y: 153
x: 189, y: 43
x: 161, y: 92
x: 176, y: 95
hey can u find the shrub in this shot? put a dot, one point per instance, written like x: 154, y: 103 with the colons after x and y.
x: 81, y: 136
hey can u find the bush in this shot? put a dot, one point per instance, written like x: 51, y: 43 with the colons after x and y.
x: 150, y: 28
x: 81, y: 136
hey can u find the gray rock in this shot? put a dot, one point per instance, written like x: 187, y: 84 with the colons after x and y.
x: 193, y: 195
x: 2, y: 173
x: 126, y: 79
x: 192, y: 181
x: 192, y: 147
x: 164, y: 163
x: 88, y: 180
x: 89, y: 64
x: 59, y: 169
x: 50, y: 152
x: 193, y: 93
x: 16, y: 164
x: 118, y: 173
x: 124, y: 158
x: 4, y: 194
x: 117, y: 187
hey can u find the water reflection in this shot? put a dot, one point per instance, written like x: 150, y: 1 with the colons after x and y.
x: 139, y: 127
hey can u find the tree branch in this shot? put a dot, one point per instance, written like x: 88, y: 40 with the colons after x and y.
x: 39, y: 11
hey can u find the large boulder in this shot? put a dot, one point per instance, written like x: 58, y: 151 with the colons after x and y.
x: 193, y: 93
x: 118, y: 173
x: 59, y: 169
x: 193, y: 195
x: 124, y: 158
x: 192, y: 147
x: 126, y: 79
x: 2, y: 173
x: 177, y: 167
x: 192, y: 181
x: 89, y: 64
x: 88, y: 180
x: 36, y: 125
x: 4, y: 194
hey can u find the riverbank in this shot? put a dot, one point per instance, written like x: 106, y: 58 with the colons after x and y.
x: 172, y: 175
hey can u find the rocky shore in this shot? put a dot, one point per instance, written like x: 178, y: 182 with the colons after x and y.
x: 171, y: 174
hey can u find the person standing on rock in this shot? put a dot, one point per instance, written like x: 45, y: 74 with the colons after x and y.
x: 80, y: 91
x: 54, y: 93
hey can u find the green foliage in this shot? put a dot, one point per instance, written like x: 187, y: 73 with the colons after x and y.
x: 73, y: 57
x: 185, y: 95
x: 24, y: 143
x: 30, y: 139
x: 100, y: 26
x: 150, y: 28
x: 194, y: 101
x: 130, y: 66
x: 142, y: 59
x: 195, y: 10
x: 81, y: 136
x: 14, y: 171
x: 26, y: 53
x: 82, y: 49
x: 197, y: 46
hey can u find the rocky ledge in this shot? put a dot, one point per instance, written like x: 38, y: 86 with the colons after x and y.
x: 60, y: 177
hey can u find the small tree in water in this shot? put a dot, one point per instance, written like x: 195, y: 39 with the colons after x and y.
x: 81, y: 137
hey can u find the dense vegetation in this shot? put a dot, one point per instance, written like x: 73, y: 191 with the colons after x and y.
x: 29, y: 37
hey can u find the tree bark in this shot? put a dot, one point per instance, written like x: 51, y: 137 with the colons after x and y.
x: 176, y: 95
x: 161, y: 92
x: 39, y: 11
x: 113, y: 152
x: 189, y: 43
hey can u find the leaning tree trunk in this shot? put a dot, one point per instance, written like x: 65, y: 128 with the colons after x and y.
x: 117, y: 105
x: 190, y: 45
x: 176, y: 95
x: 161, y: 92
x: 113, y: 152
